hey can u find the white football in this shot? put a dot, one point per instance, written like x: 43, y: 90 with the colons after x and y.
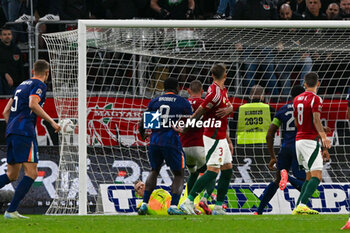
x: 67, y: 126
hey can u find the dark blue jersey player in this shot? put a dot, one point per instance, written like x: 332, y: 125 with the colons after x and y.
x: 165, y: 142
x: 287, y: 154
x: 20, y: 114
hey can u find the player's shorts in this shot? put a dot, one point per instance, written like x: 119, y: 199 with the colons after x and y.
x: 195, y: 157
x: 217, y: 151
x: 309, y: 155
x: 174, y: 158
x: 287, y: 159
x: 21, y: 149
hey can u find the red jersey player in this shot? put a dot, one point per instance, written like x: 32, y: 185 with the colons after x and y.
x: 192, y: 141
x: 215, y: 140
x: 307, y: 113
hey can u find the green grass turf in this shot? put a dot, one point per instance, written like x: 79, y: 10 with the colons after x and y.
x: 187, y: 224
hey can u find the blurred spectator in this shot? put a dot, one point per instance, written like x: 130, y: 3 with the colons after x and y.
x: 254, y: 10
x: 286, y: 13
x: 297, y: 6
x: 332, y: 11
x: 344, y: 9
x: 50, y: 9
x: 287, y: 63
x: 175, y: 9
x: 258, y: 69
x: 313, y: 11
x: 73, y: 9
x: 205, y: 9
x: 11, y: 63
x: 222, y: 8
x: 122, y: 9
x: 11, y: 9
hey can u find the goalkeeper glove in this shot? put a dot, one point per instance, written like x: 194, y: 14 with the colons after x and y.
x: 189, y: 14
x: 164, y: 13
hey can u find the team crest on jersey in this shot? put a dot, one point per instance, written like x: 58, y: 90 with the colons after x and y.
x: 16, y: 57
x: 266, y: 7
x: 39, y: 91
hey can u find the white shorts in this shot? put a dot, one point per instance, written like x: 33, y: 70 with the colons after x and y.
x: 195, y: 157
x: 309, y: 154
x: 217, y: 151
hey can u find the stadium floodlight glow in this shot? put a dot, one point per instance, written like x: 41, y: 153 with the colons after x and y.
x: 105, y: 72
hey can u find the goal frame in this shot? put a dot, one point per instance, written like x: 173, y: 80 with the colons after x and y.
x: 82, y: 94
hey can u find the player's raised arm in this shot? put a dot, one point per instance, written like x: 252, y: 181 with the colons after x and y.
x: 7, y: 110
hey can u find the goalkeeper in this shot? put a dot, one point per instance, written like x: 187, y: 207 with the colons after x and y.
x: 159, y: 201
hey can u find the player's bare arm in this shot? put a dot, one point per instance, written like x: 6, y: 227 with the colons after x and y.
x: 39, y: 111
x: 269, y: 140
x: 222, y: 112
x: 142, y: 131
x: 7, y: 110
x: 326, y: 143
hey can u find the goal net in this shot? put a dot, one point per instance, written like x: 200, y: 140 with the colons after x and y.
x: 105, y: 73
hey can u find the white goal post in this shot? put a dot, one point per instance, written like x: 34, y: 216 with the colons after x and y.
x: 126, y: 61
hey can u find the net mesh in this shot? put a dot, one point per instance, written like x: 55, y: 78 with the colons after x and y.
x: 126, y: 67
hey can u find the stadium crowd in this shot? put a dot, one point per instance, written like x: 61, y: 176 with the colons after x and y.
x: 20, y: 10
x: 278, y: 77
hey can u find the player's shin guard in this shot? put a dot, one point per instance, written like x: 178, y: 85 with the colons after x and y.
x: 21, y: 190
x: 223, y: 184
x: 201, y: 184
x: 4, y: 180
x: 303, y: 188
x: 310, y: 189
x: 269, y: 192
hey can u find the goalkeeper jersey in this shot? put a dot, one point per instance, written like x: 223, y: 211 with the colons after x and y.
x: 159, y: 202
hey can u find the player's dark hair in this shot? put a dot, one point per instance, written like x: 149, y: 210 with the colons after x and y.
x: 218, y: 70
x: 40, y: 66
x: 311, y: 79
x: 296, y: 90
x: 171, y: 84
x: 196, y: 86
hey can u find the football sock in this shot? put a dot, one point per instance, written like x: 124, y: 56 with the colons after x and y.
x: 210, y: 188
x: 310, y: 189
x: 269, y: 192
x: 191, y: 180
x: 4, y: 180
x: 298, y: 184
x: 201, y: 183
x: 175, y: 199
x: 302, y: 191
x: 223, y: 184
x: 21, y: 190
x: 146, y: 196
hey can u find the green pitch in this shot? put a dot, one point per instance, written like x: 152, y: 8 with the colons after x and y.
x: 214, y: 224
